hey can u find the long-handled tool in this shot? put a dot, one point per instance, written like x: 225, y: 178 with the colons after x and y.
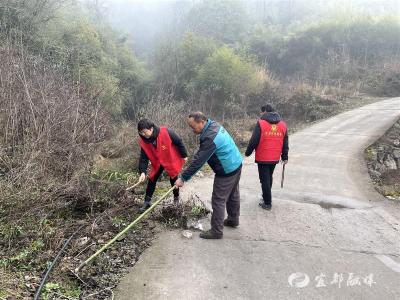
x: 133, y: 186
x: 145, y: 213
x: 283, y: 175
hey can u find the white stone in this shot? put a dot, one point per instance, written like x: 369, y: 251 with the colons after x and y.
x: 187, y: 234
x: 390, y: 163
x: 396, y: 153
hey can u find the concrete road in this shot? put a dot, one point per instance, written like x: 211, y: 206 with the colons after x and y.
x: 328, y: 236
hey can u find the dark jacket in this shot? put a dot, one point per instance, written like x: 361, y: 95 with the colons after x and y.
x: 176, y: 140
x: 218, y: 149
x: 272, y: 118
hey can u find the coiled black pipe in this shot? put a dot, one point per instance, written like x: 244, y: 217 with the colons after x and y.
x: 42, y: 283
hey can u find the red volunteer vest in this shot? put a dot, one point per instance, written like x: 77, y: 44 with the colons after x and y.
x: 270, y: 146
x: 166, y: 154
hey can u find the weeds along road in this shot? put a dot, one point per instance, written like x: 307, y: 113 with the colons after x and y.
x: 328, y: 236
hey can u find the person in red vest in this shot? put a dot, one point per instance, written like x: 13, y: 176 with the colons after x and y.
x: 271, y: 142
x: 165, y: 150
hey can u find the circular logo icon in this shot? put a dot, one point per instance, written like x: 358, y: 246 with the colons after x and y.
x: 298, y: 279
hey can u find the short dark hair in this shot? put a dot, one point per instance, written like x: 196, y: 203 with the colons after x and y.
x: 198, y: 116
x: 144, y: 124
x: 267, y: 108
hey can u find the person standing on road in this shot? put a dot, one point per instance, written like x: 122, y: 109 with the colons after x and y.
x: 220, y: 151
x: 165, y: 150
x: 271, y: 142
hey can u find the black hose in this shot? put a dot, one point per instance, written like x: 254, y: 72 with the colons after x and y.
x: 39, y: 290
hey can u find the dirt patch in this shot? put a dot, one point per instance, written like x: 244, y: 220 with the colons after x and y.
x: 391, y: 177
x: 21, y: 272
x: 383, y: 161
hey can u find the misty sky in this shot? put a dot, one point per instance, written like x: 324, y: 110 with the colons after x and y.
x: 149, y: 20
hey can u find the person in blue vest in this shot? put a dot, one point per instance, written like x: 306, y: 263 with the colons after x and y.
x: 220, y: 151
x: 271, y: 142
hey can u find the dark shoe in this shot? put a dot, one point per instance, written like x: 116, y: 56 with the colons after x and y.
x: 231, y: 223
x: 176, y: 200
x: 209, y: 235
x: 265, y: 206
x: 145, y: 206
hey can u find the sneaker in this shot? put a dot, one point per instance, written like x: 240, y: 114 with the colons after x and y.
x: 231, y: 223
x: 176, y: 200
x: 145, y: 206
x: 265, y: 206
x: 209, y: 235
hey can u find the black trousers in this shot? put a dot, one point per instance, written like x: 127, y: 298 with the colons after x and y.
x: 151, y: 185
x: 265, y: 173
